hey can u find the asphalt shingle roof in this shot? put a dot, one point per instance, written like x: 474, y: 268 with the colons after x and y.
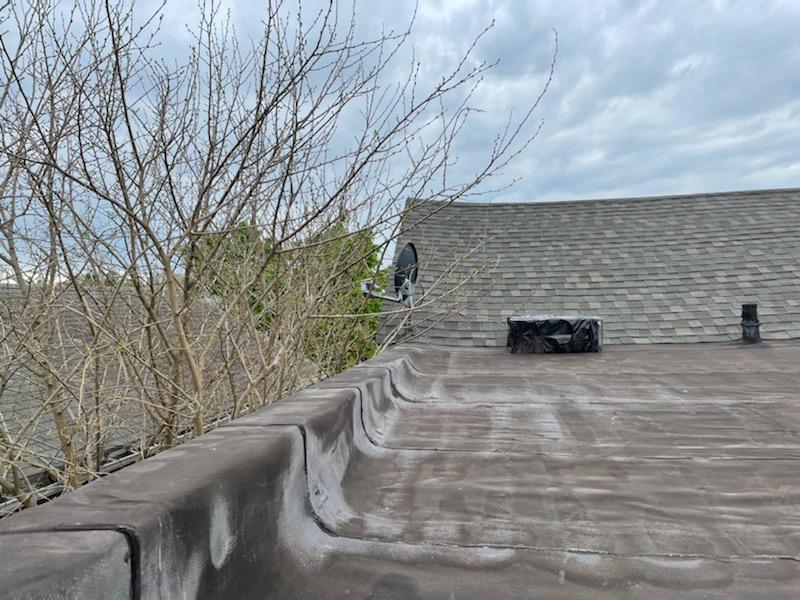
x: 662, y: 269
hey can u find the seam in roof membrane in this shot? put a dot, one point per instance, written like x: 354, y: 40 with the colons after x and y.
x: 127, y: 531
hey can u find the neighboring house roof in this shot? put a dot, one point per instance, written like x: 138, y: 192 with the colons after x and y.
x: 661, y: 269
x: 107, y: 388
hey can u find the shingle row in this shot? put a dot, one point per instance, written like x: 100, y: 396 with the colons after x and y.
x: 658, y: 270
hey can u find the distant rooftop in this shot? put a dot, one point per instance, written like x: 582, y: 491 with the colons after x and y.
x: 657, y: 270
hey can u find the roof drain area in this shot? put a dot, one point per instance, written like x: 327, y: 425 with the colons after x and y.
x: 546, y: 334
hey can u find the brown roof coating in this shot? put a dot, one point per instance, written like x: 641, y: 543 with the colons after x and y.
x: 653, y: 472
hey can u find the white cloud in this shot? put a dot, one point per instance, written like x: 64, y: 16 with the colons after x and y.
x: 691, y: 64
x: 649, y: 97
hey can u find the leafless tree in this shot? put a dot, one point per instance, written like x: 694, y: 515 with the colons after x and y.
x: 180, y: 237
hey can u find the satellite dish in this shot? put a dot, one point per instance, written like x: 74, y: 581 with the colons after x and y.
x: 405, y: 275
x: 406, y: 267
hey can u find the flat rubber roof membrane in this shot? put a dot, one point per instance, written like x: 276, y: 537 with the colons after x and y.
x: 641, y: 472
x: 650, y: 472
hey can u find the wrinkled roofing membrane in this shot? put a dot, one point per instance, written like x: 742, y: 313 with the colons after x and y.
x: 639, y: 472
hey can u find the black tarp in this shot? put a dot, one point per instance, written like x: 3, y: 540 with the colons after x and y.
x: 550, y: 334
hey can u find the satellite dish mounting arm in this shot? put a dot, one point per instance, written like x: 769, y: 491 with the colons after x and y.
x: 405, y: 295
x: 405, y: 276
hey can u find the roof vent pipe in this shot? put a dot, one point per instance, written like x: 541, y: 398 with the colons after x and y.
x: 750, y: 324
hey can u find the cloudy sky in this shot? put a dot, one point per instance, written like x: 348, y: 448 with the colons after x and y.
x: 649, y: 97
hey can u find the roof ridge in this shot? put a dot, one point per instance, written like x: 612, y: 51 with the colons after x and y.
x: 620, y: 199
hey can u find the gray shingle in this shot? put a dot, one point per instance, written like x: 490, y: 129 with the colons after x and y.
x: 686, y: 263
